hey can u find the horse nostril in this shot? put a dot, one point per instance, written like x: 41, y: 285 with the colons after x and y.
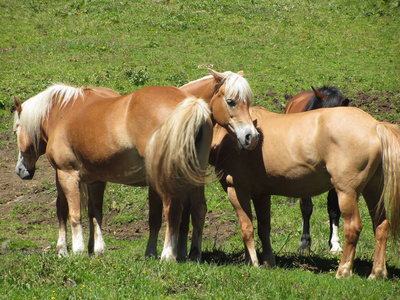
x: 248, y: 139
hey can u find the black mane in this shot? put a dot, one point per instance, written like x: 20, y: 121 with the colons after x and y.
x: 334, y: 98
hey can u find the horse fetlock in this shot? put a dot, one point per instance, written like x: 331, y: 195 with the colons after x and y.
x: 99, y: 247
x: 269, y: 261
x: 305, y: 243
x: 345, y: 270
x: 195, y: 254
x: 78, y: 246
x: 62, y: 250
x: 378, y: 274
x: 336, y: 248
x: 168, y: 254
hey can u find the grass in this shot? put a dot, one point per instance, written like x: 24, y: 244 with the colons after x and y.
x: 283, y: 47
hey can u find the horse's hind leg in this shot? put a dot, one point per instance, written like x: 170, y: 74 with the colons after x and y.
x: 62, y: 215
x: 334, y: 216
x: 381, y: 227
x: 198, y: 212
x: 95, y: 205
x: 262, y: 206
x: 69, y: 183
x: 306, y: 207
x: 348, y: 203
x: 184, y: 229
x: 155, y: 221
x: 173, y: 213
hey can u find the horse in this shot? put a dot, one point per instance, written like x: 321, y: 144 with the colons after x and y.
x: 157, y: 136
x: 238, y: 97
x: 321, y: 98
x: 303, y: 155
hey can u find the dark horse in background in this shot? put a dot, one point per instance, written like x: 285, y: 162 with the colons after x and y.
x: 321, y: 98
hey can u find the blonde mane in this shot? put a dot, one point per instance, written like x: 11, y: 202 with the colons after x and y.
x: 236, y: 86
x: 36, y: 109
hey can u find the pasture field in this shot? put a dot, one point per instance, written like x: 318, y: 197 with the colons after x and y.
x: 283, y: 47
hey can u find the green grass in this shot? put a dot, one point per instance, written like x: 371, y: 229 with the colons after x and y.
x: 283, y: 47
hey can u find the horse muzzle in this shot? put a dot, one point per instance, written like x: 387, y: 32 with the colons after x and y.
x: 22, y: 171
x: 248, y: 140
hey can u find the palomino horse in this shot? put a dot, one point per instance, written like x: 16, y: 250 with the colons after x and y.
x: 236, y: 96
x: 303, y: 155
x: 322, y: 98
x: 157, y: 135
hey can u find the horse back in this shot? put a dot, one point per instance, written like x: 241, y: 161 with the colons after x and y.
x: 299, y: 102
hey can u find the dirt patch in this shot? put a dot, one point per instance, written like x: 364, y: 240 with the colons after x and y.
x: 14, y: 191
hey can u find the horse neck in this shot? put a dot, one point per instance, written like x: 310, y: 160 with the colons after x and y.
x: 202, y: 88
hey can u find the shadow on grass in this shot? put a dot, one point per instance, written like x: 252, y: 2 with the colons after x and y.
x: 313, y: 263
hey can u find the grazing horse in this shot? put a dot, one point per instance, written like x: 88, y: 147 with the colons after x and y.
x: 303, y: 155
x: 156, y: 136
x: 238, y: 97
x: 322, y: 98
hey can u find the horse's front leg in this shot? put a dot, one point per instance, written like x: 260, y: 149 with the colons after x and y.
x: 262, y: 206
x: 240, y: 200
x: 62, y: 215
x: 69, y: 183
x: 348, y: 203
x: 198, y: 212
x: 173, y: 213
x: 306, y: 207
x: 155, y: 221
x: 95, y: 212
x: 334, y: 216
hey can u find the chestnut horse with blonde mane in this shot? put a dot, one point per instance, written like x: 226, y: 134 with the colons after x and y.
x: 306, y: 154
x: 156, y: 136
x: 303, y: 155
x: 323, y: 97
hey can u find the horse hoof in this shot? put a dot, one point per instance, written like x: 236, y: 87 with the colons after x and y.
x: 336, y: 249
x: 304, y: 249
x: 343, y: 274
x: 379, y: 274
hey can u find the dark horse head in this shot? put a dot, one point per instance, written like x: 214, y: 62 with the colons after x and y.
x: 326, y: 97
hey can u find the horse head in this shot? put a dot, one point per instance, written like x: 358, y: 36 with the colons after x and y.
x: 29, y: 148
x: 327, y: 97
x: 230, y: 107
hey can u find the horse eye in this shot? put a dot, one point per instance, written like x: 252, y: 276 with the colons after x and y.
x: 231, y: 102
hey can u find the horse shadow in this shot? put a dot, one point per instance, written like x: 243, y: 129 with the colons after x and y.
x: 312, y: 263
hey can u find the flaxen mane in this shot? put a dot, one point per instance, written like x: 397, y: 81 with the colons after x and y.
x: 37, y: 108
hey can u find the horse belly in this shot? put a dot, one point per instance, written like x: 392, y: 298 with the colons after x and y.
x: 126, y: 168
x: 297, y: 182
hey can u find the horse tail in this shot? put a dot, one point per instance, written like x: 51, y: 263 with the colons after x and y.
x: 389, y: 135
x: 177, y: 154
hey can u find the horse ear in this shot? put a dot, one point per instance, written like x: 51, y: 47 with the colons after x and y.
x: 319, y: 94
x: 217, y: 76
x: 241, y: 73
x: 345, y: 102
x: 18, y: 105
